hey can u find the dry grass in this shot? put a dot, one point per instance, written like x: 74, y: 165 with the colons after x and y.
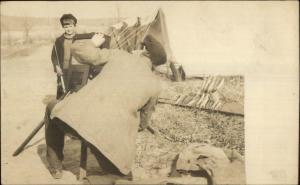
x: 176, y: 127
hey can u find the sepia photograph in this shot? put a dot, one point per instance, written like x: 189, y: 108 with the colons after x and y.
x: 149, y: 92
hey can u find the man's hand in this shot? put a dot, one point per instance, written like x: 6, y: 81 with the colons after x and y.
x: 59, y: 71
x: 98, y: 39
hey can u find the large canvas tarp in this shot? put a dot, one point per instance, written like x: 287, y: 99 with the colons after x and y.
x: 105, y: 111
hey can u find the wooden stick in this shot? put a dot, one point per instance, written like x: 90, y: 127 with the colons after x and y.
x: 32, y: 134
x: 83, y: 161
x: 166, y: 101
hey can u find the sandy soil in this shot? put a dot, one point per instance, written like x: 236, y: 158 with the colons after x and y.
x: 27, y: 80
x: 24, y: 84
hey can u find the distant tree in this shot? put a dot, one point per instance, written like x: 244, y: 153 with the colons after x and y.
x: 27, y: 26
x: 6, y: 31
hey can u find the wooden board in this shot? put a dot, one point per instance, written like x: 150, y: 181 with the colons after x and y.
x: 232, y: 108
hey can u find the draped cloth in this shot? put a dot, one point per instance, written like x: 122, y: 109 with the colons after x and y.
x: 105, y: 111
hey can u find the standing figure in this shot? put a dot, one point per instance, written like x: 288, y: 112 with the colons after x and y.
x: 62, y: 59
x: 61, y: 52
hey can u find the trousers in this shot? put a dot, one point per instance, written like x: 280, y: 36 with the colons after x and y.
x: 55, y: 131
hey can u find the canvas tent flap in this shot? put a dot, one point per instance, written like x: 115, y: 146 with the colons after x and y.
x: 129, y: 34
x: 158, y: 29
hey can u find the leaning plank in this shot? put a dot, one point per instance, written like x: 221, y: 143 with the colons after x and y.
x: 230, y: 109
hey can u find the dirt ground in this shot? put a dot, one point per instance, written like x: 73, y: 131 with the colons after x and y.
x: 24, y: 83
x: 27, y: 80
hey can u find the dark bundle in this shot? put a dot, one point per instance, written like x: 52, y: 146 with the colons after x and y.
x: 156, y: 51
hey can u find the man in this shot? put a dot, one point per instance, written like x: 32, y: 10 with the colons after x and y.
x: 107, y: 112
x: 61, y: 53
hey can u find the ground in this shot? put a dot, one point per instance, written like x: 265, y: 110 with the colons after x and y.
x: 28, y: 78
x: 177, y: 127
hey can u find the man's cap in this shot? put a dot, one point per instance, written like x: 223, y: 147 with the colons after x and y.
x: 156, y: 50
x: 67, y: 19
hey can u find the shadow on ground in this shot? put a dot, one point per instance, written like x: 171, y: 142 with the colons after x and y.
x: 72, y: 158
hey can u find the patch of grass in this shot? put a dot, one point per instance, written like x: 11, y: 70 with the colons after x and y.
x: 177, y: 127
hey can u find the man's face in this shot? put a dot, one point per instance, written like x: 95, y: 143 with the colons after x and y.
x: 69, y: 29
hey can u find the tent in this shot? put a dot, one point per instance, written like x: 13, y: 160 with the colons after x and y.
x: 129, y: 34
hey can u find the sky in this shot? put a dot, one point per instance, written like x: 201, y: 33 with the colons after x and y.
x: 206, y: 33
x: 82, y: 9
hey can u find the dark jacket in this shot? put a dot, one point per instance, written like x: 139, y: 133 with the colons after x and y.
x: 57, y: 55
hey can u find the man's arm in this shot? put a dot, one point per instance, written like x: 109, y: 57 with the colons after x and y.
x: 82, y: 36
x: 54, y: 59
x: 146, y: 112
x: 55, y: 62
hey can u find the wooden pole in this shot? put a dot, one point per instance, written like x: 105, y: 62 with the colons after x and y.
x: 83, y: 160
x: 175, y: 72
x: 32, y: 134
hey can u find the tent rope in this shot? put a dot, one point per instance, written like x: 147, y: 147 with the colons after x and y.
x: 128, y: 37
x: 121, y: 40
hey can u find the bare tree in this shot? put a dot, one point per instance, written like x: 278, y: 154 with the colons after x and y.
x: 27, y: 26
x: 6, y: 32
